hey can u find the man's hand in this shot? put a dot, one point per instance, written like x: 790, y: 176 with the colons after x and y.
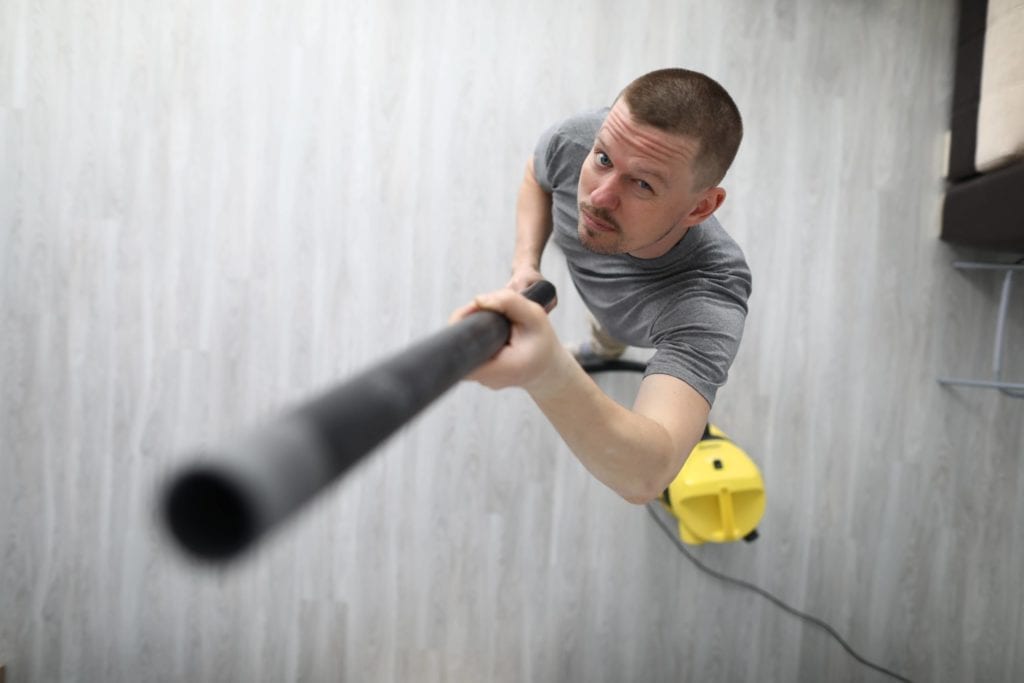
x: 523, y: 277
x: 533, y: 359
x: 634, y: 452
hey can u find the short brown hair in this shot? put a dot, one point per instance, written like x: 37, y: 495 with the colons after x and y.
x: 689, y: 103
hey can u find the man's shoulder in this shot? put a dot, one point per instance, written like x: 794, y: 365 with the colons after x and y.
x: 576, y: 131
x: 714, y: 254
x: 714, y: 242
x: 582, y: 127
x: 563, y: 146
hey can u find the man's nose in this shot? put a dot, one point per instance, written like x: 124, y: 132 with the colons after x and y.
x: 605, y: 195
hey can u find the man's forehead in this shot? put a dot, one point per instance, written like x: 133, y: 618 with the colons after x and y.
x: 620, y: 128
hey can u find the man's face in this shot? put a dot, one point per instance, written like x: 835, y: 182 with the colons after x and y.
x: 636, y: 188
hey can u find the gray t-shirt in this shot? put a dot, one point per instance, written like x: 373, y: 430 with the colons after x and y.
x: 689, y: 304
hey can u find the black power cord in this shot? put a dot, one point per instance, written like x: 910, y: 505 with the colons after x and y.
x: 743, y: 584
x: 596, y: 365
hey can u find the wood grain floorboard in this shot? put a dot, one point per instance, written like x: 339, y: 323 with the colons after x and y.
x: 210, y: 212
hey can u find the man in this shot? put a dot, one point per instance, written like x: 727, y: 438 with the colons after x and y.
x: 629, y: 195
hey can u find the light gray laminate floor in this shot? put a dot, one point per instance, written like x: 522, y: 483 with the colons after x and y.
x: 209, y: 211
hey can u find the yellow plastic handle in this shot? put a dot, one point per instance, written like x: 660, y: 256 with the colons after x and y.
x: 728, y: 518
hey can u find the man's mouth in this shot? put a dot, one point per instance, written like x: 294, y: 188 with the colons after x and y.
x: 597, y: 224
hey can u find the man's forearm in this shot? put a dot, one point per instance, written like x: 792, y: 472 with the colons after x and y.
x: 630, y: 453
x: 533, y: 222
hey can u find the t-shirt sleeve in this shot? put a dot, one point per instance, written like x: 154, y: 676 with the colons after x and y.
x: 543, y: 157
x: 561, y: 150
x: 698, y: 335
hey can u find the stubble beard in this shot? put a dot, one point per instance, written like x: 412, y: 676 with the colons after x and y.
x: 604, y: 243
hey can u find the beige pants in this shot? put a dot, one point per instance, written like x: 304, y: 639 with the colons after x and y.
x: 602, y: 343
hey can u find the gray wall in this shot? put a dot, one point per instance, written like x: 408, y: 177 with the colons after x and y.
x: 209, y: 211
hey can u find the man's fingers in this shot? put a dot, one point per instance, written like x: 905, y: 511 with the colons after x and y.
x: 482, y: 302
x: 462, y: 312
x: 531, y: 347
x: 512, y: 305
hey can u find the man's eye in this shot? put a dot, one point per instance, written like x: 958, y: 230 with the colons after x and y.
x: 644, y: 185
x: 603, y: 159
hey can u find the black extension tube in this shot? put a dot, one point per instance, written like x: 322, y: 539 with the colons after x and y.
x: 223, y: 502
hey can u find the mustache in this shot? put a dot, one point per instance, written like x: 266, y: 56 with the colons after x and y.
x: 600, y: 214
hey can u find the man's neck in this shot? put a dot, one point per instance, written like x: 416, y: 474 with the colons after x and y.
x: 663, y: 245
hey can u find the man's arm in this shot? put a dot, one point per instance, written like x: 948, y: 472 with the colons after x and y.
x: 635, y: 452
x: 533, y: 228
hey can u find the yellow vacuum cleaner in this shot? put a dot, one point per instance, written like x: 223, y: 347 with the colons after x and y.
x: 718, y: 495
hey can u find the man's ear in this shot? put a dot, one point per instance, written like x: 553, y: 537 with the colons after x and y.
x: 709, y: 202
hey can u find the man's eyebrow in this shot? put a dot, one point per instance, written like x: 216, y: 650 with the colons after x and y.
x: 654, y: 174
